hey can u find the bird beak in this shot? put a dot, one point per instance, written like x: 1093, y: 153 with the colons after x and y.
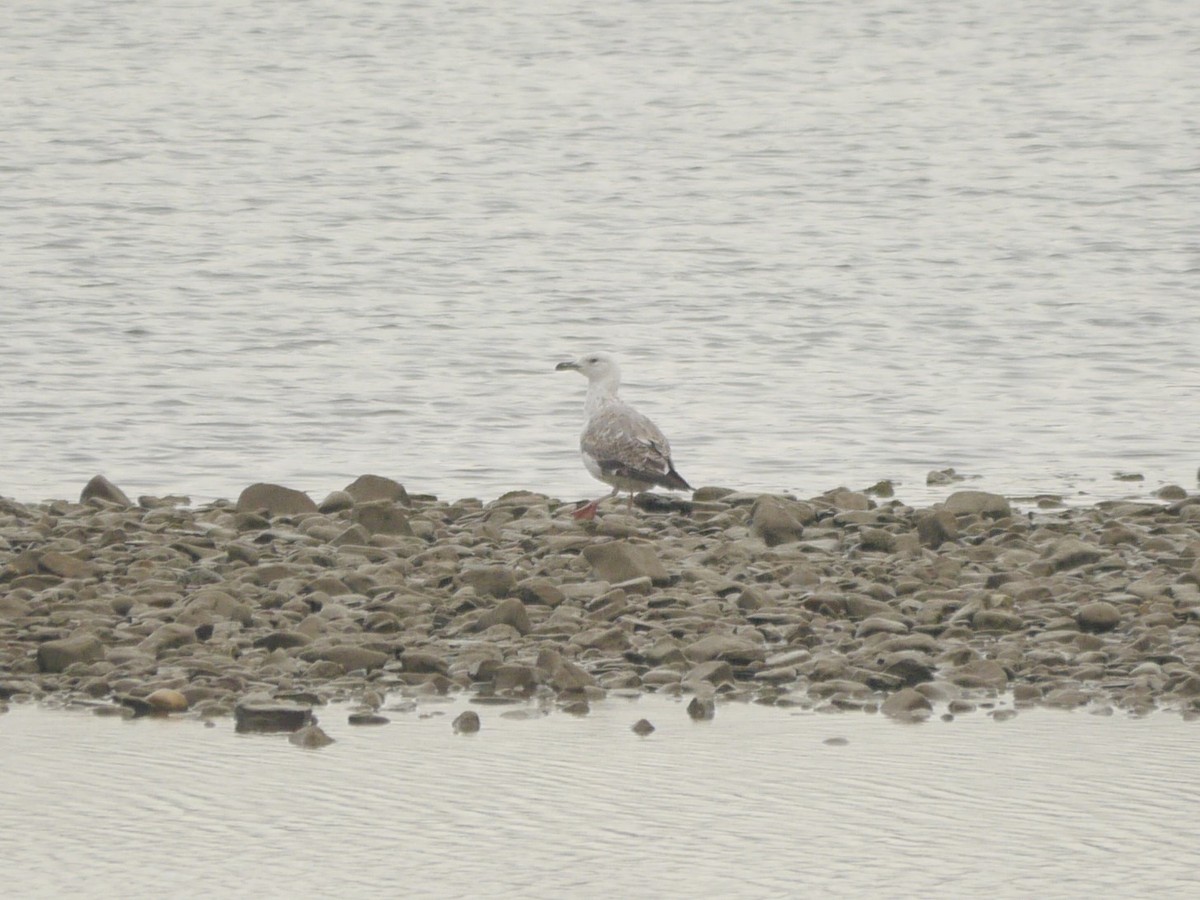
x: 563, y: 366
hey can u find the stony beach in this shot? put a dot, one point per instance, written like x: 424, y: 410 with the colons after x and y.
x: 260, y: 610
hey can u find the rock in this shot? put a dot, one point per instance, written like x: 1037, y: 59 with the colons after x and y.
x: 714, y: 672
x: 66, y: 566
x: 778, y: 520
x: 466, y: 722
x: 728, y: 647
x: 423, y: 662
x: 382, y: 517
x: 937, y: 527
x: 514, y: 679
x: 562, y: 674
x: 643, y: 727
x: 311, y: 737
x: 996, y: 620
x: 1098, y: 616
x: 702, y: 710
x: 506, y: 612
x: 1071, y: 553
x: 349, y: 657
x: 616, y: 561
x: 983, y: 673
x: 266, y: 717
x: 100, y: 487
x: 489, y: 581
x: 275, y: 499
x: 539, y: 591
x: 907, y: 704
x: 1171, y: 492
x: 56, y: 656
x: 977, y: 503
x: 282, y: 640
x: 166, y: 700
x: 336, y: 502
x: 943, y: 476
x: 366, y: 488
x: 877, y: 540
x: 367, y: 718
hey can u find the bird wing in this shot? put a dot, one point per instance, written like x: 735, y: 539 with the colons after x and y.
x: 624, y: 442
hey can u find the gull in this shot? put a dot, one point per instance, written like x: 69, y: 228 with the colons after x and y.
x: 620, y: 446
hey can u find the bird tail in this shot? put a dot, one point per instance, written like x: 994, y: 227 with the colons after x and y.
x: 674, y: 480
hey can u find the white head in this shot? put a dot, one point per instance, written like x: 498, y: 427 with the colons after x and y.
x: 600, y: 369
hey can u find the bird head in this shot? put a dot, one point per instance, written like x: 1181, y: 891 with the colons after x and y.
x: 596, y: 367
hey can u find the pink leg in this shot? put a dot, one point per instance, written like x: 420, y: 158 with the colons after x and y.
x: 586, y: 512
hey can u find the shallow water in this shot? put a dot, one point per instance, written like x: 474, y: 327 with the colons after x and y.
x: 752, y: 804
x: 833, y: 242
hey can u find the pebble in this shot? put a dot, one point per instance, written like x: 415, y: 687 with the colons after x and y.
x: 263, y: 608
x: 466, y: 722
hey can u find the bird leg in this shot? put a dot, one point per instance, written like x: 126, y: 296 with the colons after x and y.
x: 586, y: 512
x: 589, y: 511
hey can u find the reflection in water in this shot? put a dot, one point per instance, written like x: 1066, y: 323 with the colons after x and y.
x: 752, y: 804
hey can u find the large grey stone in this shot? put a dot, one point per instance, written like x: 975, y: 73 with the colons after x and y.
x: 104, y: 489
x: 366, y: 488
x: 617, y: 561
x: 267, y: 716
x: 489, y: 581
x: 977, y: 503
x: 382, y: 517
x: 56, y: 656
x: 276, y: 499
x: 778, y: 520
x: 506, y: 612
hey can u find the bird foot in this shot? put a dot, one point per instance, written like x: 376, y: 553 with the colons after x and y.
x: 587, y: 511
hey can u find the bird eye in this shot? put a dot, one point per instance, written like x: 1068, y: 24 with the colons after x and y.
x: 593, y: 359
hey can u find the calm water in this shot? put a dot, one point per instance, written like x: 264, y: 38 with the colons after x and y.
x: 832, y: 241
x: 752, y: 804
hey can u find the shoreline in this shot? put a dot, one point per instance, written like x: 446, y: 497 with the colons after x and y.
x: 264, y: 608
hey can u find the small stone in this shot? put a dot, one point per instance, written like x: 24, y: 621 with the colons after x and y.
x: 779, y: 520
x: 836, y: 741
x: 1098, y: 616
x: 907, y: 704
x: 936, y: 527
x: 466, y: 722
x: 56, y: 656
x: 540, y: 591
x: 349, y: 657
x: 877, y: 540
x: 367, y: 718
x: 642, y: 727
x: 489, y: 581
x: 510, y: 612
x: 65, y: 566
x: 275, y: 499
x: 104, y: 489
x: 336, y: 502
x: 166, y: 700
x: 617, y: 561
x: 702, y: 709
x: 1070, y: 553
x: 266, y: 717
x: 1171, y: 492
x: 977, y: 503
x: 728, y: 647
x: 382, y: 517
x: 311, y: 737
x: 366, y: 488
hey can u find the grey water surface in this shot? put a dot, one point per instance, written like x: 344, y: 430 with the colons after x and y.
x: 752, y: 804
x: 833, y: 242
